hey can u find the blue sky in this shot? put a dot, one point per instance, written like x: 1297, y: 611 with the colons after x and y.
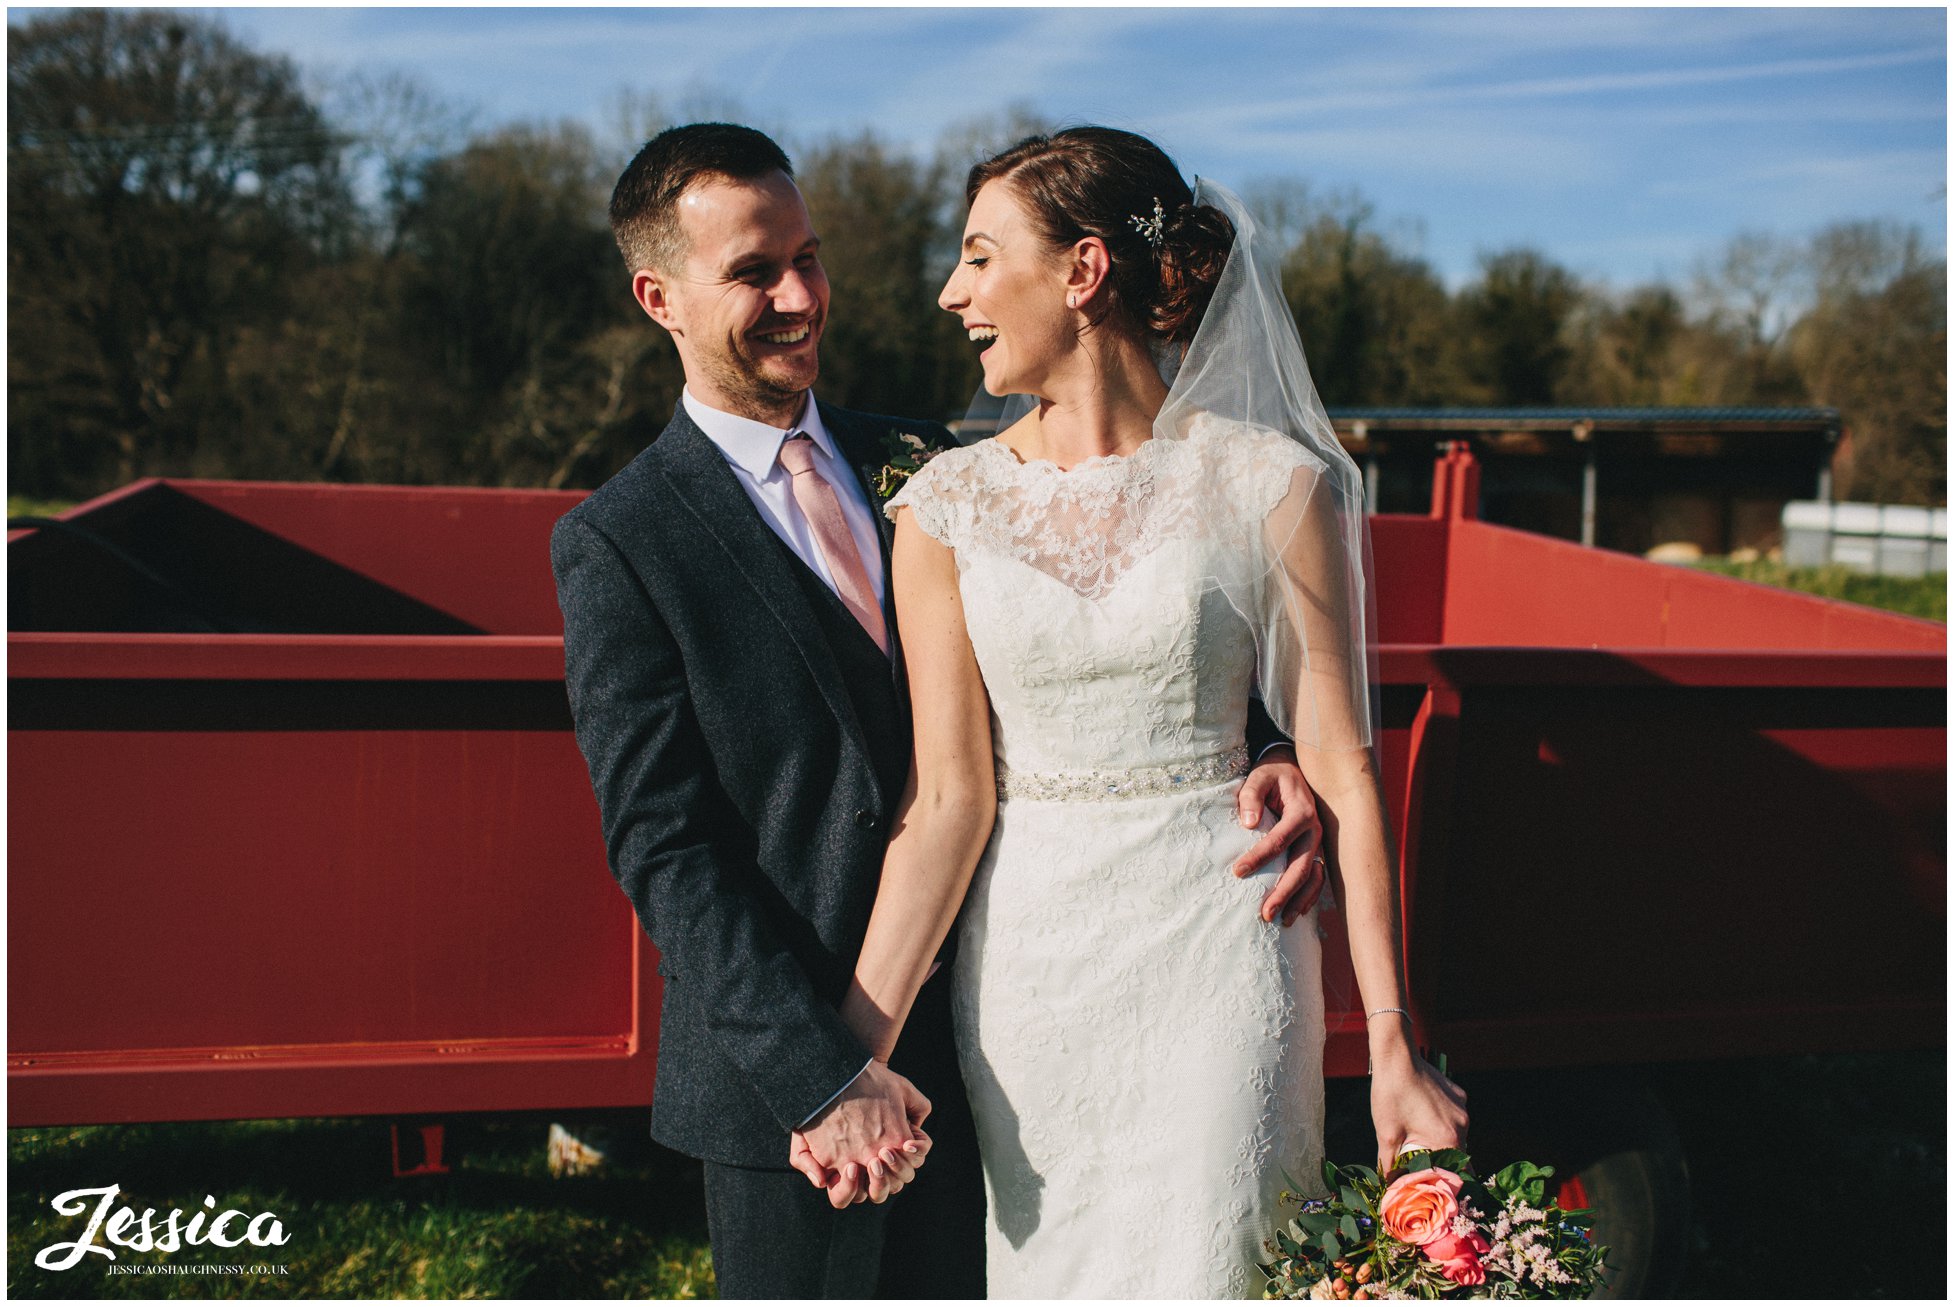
x: 1626, y: 143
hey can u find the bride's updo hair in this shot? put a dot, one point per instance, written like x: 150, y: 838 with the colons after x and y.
x: 1094, y: 181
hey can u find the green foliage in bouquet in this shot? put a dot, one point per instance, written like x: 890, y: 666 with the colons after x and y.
x: 907, y: 452
x: 1499, y: 1237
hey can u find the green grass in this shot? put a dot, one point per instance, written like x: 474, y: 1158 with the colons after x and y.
x: 22, y: 506
x: 497, y: 1227
x: 1870, y: 1126
x: 1924, y: 596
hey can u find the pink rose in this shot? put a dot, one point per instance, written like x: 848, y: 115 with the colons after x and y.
x: 1458, y: 1256
x: 1419, y: 1207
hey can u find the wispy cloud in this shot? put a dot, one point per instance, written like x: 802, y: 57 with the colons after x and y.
x: 1223, y: 117
x: 1617, y: 134
x: 1877, y: 177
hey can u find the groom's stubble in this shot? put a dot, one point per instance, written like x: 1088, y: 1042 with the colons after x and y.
x: 751, y: 276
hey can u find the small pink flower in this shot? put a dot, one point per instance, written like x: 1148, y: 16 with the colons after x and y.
x: 1458, y: 1256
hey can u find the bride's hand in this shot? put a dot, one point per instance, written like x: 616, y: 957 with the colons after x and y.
x: 1414, y: 1105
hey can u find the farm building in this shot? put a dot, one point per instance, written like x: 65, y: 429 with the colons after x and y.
x: 1621, y: 478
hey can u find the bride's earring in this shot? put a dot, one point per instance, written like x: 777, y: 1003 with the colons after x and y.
x: 1071, y: 301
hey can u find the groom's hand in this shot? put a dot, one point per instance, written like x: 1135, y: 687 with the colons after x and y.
x: 868, y: 1143
x: 852, y: 1184
x: 1277, y: 784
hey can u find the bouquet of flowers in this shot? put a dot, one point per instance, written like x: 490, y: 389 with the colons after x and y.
x: 1435, y: 1231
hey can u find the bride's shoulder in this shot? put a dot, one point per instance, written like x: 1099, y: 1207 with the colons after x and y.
x: 949, y: 471
x: 943, y: 486
x: 1248, y: 447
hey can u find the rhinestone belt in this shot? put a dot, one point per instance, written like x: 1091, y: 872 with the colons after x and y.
x: 1107, y: 785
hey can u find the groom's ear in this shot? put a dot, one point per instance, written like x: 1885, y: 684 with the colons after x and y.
x: 648, y: 287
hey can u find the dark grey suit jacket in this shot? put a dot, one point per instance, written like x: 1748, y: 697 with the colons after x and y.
x: 748, y: 744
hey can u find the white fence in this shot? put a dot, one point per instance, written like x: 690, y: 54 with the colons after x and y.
x: 1885, y: 539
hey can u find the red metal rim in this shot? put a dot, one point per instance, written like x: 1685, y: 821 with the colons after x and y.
x: 1570, y: 1193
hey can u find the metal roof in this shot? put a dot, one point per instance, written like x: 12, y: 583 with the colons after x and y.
x: 1600, y: 416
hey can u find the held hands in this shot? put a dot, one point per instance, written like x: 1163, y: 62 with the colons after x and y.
x: 869, y: 1143
x: 1277, y: 784
x: 1413, y: 1104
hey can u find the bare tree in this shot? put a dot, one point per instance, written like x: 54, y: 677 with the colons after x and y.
x: 510, y: 273
x: 164, y: 183
x: 1635, y: 349
x: 1874, y: 345
x: 888, y: 245
x: 1376, y: 323
x: 1514, y: 322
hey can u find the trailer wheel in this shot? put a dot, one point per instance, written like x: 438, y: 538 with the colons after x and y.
x: 1613, y: 1148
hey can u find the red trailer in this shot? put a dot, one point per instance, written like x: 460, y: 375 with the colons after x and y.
x: 298, y: 826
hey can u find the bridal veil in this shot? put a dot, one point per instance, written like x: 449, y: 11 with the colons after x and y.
x: 1307, y: 595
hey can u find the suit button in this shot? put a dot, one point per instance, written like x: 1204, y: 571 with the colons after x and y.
x: 866, y: 820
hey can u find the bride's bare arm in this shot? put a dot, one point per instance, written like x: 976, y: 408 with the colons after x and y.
x: 1409, y: 1098
x: 948, y: 805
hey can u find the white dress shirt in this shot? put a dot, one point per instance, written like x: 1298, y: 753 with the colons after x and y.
x: 752, y: 450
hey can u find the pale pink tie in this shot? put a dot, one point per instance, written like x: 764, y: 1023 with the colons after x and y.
x: 822, y: 510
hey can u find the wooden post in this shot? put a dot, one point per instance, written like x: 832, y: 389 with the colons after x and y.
x: 1584, y: 434
x: 1360, y: 431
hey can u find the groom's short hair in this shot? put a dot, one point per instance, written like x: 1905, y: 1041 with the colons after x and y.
x: 644, y: 206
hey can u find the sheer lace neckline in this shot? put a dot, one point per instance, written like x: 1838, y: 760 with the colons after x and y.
x: 1085, y: 526
x: 1140, y: 455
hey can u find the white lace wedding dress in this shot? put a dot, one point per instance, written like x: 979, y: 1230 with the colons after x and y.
x: 1143, y: 1053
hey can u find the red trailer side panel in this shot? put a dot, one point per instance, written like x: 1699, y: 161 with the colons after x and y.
x: 313, y: 867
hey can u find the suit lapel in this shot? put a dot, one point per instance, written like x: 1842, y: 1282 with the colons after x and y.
x: 708, y: 490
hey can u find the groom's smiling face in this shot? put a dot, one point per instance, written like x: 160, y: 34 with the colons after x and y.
x: 747, y: 308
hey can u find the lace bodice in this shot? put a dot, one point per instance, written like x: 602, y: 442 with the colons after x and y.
x: 1105, y: 603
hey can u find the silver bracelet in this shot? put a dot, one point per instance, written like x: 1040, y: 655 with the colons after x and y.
x: 1368, y: 1016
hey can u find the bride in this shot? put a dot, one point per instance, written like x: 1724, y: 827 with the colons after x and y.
x: 1089, y: 599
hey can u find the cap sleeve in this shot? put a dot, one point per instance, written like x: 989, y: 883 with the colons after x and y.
x: 1259, y: 469
x: 1300, y: 533
x: 939, y: 494
x: 1253, y: 469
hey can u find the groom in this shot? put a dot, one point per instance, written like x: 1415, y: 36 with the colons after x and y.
x: 737, y: 685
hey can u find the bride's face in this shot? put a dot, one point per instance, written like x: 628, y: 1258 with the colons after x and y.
x: 1009, y: 290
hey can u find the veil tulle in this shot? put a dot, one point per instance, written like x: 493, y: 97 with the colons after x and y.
x: 1305, y: 592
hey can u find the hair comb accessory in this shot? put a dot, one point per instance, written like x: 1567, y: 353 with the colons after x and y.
x: 1154, y: 228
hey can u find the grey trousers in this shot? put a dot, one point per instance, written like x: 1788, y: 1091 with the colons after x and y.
x: 774, y: 1235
